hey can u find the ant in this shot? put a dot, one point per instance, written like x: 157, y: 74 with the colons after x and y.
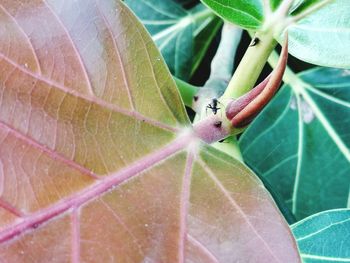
x: 213, y: 106
x: 254, y: 42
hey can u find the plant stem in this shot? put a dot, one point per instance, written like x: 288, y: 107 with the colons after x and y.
x: 222, y: 64
x: 221, y: 71
x: 244, y: 80
x: 251, y: 65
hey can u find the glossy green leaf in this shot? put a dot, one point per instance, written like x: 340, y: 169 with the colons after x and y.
x: 275, y: 3
x: 297, y: 6
x: 323, y: 38
x: 245, y: 13
x: 203, y: 40
x: 324, y: 237
x: 303, y: 5
x: 98, y: 161
x: 300, y: 144
x: 183, y: 36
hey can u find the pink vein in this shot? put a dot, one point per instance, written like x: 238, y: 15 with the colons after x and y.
x: 88, y: 82
x: 96, y: 190
x: 54, y: 155
x: 237, y: 207
x: 185, y: 196
x: 10, y: 208
x: 108, y: 26
x: 201, y: 247
x: 122, y: 223
x: 93, y: 100
x: 25, y: 35
x: 75, y: 235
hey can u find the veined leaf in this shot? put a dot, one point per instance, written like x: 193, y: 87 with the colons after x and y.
x: 183, y: 36
x: 248, y: 14
x: 323, y: 38
x: 245, y: 13
x: 324, y: 237
x: 300, y: 143
x: 303, y: 5
x: 98, y: 161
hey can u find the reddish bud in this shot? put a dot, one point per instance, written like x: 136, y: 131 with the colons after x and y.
x: 244, y: 109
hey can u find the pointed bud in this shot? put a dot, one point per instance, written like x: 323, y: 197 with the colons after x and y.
x: 244, y: 109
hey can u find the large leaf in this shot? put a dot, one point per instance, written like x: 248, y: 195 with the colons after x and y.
x: 300, y: 144
x: 183, y: 36
x: 250, y: 13
x: 324, y: 237
x: 303, y: 5
x: 323, y: 38
x: 97, y: 158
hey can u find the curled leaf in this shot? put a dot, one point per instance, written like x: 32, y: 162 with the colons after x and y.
x: 243, y: 110
x: 244, y: 100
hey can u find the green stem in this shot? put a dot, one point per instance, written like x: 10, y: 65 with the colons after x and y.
x: 255, y: 58
x: 187, y: 91
x: 244, y: 80
x: 250, y: 67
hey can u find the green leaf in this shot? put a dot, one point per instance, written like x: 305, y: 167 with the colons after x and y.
x: 183, y: 36
x: 187, y: 91
x: 275, y: 3
x: 203, y: 40
x: 300, y: 143
x: 245, y: 13
x: 324, y: 237
x: 303, y: 5
x: 297, y: 6
x: 323, y: 38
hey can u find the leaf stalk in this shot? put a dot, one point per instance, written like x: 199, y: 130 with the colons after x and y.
x: 251, y: 65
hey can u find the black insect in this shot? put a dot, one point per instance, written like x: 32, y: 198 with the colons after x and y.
x: 254, y: 42
x: 218, y: 124
x: 213, y: 106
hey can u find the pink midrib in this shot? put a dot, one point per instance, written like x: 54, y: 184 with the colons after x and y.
x: 100, y: 187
